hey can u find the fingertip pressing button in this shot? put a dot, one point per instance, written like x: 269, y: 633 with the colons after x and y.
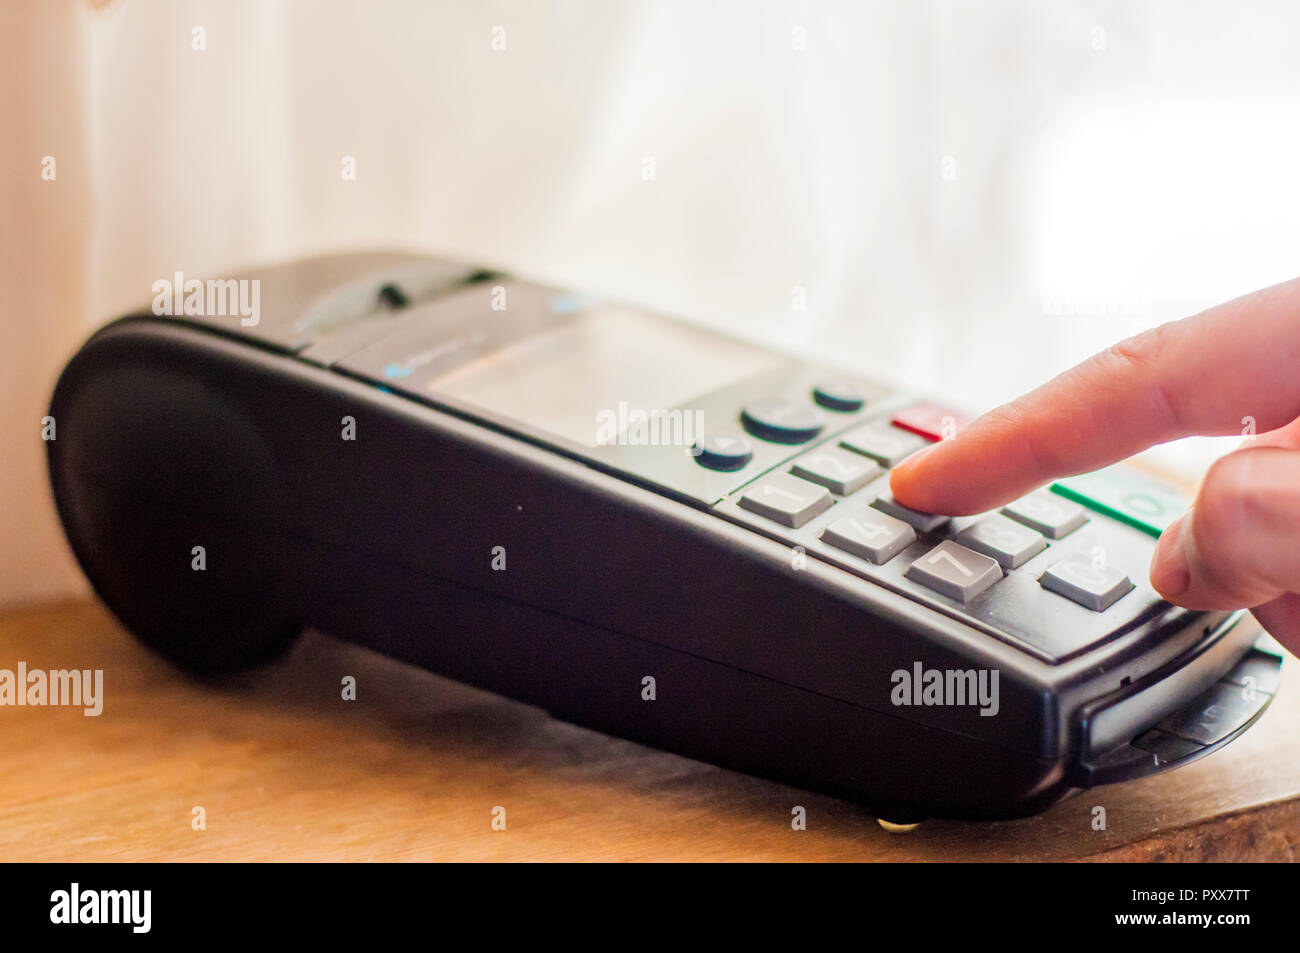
x: 921, y: 522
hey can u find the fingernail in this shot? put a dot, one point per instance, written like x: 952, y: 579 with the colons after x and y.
x: 1171, y: 572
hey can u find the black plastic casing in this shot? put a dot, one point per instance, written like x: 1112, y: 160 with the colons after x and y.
x: 172, y: 435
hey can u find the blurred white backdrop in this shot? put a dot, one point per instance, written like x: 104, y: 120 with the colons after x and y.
x: 971, y: 196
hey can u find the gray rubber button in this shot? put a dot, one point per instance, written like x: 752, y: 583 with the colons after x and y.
x: 883, y: 442
x: 1079, y: 579
x: 786, y: 499
x: 954, y: 571
x: 921, y: 522
x: 870, y: 535
x: 1006, y: 541
x: 1048, y: 513
x: 838, y: 470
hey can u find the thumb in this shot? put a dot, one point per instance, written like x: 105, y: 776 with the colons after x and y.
x: 1237, y: 546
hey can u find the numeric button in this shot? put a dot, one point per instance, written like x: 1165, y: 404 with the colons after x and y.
x: 921, y: 522
x: 1093, y: 586
x: 883, y: 442
x: 954, y: 571
x: 786, y: 499
x: 1008, y: 542
x: 870, y: 535
x: 1046, y: 513
x: 838, y: 470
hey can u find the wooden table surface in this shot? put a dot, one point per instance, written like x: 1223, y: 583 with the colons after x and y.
x: 413, y: 768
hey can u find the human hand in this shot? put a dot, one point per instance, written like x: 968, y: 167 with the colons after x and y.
x: 1232, y: 369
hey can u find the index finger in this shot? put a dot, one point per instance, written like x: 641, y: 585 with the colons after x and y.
x: 1201, y: 375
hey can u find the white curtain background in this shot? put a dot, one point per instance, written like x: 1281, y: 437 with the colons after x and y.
x: 972, y: 195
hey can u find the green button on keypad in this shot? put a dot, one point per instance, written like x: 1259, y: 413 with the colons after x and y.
x: 1127, y: 495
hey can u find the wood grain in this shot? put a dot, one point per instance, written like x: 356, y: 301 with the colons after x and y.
x: 411, y: 770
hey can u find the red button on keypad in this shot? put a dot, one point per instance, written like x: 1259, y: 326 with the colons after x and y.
x: 930, y: 421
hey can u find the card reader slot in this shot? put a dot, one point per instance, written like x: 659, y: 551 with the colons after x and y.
x: 1149, y: 731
